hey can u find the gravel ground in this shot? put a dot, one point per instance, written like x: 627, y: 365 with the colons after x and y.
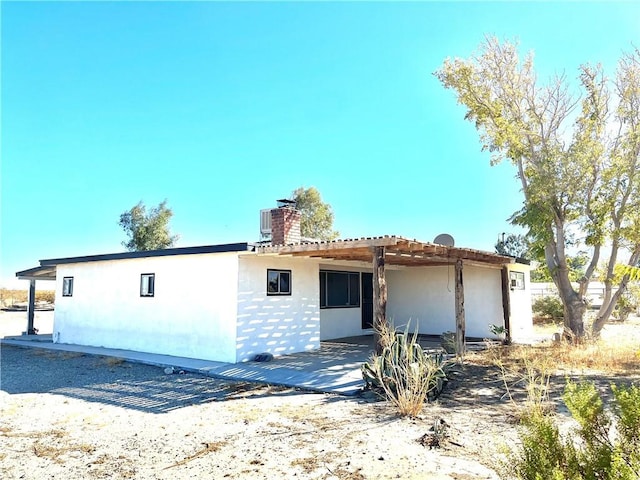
x: 74, y: 416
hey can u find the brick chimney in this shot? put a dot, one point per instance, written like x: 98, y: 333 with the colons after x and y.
x: 285, y: 225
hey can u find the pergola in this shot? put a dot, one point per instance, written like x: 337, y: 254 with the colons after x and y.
x: 33, y: 274
x: 394, y: 250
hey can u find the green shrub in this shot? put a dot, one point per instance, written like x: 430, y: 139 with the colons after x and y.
x: 548, y: 309
x: 606, y: 446
x: 406, y: 374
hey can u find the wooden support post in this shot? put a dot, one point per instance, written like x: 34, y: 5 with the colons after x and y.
x: 460, y: 319
x: 379, y: 295
x: 31, y: 307
x: 506, y: 302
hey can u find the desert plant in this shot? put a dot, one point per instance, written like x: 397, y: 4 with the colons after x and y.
x: 607, y: 442
x: 448, y: 342
x: 548, y: 309
x: 407, y: 376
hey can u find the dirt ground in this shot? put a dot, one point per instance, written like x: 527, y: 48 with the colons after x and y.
x: 70, y: 416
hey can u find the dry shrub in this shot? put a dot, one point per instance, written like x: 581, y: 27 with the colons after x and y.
x: 9, y: 297
x: 406, y: 374
x: 597, y: 355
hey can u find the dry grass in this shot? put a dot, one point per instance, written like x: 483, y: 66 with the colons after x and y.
x: 208, y: 448
x: 113, y: 361
x: 594, y: 355
x: 10, y: 297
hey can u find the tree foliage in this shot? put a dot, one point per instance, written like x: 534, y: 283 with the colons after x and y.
x: 578, y: 160
x: 147, y: 230
x: 513, y: 245
x: 317, y: 216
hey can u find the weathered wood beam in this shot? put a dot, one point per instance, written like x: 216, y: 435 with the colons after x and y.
x: 506, y: 302
x: 379, y: 295
x: 31, y: 306
x: 330, y: 246
x: 460, y: 318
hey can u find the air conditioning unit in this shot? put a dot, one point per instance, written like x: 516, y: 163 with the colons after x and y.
x: 265, y: 222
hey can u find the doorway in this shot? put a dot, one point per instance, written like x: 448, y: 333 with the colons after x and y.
x: 366, y: 309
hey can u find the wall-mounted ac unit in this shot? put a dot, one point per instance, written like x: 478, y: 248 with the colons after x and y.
x: 265, y: 222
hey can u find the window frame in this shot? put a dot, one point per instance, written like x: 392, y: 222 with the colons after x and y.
x: 67, y: 286
x: 516, y: 280
x: 151, y: 286
x: 324, y: 299
x: 279, y: 272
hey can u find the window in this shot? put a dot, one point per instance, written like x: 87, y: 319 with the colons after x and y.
x: 339, y: 289
x: 278, y: 282
x: 147, y: 284
x: 516, y: 280
x: 67, y: 287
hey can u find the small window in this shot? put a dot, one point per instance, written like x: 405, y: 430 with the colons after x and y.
x: 147, y: 284
x: 67, y: 287
x: 339, y: 289
x: 278, y: 282
x: 516, y: 279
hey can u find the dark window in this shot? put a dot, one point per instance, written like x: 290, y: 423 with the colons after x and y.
x: 67, y: 287
x: 147, y: 284
x: 516, y: 279
x: 278, y: 282
x: 339, y: 289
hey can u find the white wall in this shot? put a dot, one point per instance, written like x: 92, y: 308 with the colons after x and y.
x: 342, y: 322
x: 426, y: 296
x: 277, y: 324
x: 520, y: 303
x: 191, y: 315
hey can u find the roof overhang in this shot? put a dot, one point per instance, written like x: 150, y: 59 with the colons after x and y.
x: 38, y: 273
x: 398, y: 251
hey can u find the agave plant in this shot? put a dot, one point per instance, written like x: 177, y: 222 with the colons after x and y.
x: 406, y: 374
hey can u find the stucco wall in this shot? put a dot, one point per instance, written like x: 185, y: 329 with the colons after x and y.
x: 192, y: 313
x: 277, y: 324
x: 426, y: 297
x: 342, y: 322
x: 520, y: 300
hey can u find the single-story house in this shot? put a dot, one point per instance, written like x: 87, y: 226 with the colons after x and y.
x: 231, y: 302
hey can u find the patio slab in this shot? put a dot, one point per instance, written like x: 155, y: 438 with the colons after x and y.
x: 335, y: 368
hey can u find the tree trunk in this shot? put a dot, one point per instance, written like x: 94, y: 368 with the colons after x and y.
x: 574, y: 305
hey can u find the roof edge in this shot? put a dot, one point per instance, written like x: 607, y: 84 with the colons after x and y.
x: 227, y: 247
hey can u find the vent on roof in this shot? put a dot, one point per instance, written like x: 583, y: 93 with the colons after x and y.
x: 265, y: 222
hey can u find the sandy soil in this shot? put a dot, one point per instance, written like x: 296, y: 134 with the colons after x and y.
x: 75, y: 430
x: 69, y: 416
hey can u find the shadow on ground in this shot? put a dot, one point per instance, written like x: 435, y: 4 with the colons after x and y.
x: 113, y: 381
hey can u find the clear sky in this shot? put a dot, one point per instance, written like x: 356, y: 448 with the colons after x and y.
x: 224, y: 107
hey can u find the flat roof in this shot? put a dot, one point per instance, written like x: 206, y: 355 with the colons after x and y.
x: 227, y: 247
x: 398, y: 251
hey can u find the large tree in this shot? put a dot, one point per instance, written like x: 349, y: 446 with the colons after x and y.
x: 577, y: 159
x: 317, y: 216
x: 513, y: 245
x: 147, y: 230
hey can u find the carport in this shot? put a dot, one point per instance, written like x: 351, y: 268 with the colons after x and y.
x: 33, y: 275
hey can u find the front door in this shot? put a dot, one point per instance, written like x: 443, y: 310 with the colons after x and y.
x: 367, y: 300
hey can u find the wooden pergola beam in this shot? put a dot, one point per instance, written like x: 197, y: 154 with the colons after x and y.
x: 460, y: 318
x: 379, y: 294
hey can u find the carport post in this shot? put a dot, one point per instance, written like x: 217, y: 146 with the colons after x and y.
x: 31, y: 306
x: 379, y: 295
x: 460, y: 318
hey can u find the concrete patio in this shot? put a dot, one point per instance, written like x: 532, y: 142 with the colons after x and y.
x: 335, y: 368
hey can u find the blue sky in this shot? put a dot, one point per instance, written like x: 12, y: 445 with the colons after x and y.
x: 224, y: 107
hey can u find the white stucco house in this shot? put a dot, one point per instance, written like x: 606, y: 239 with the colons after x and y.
x: 230, y: 302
